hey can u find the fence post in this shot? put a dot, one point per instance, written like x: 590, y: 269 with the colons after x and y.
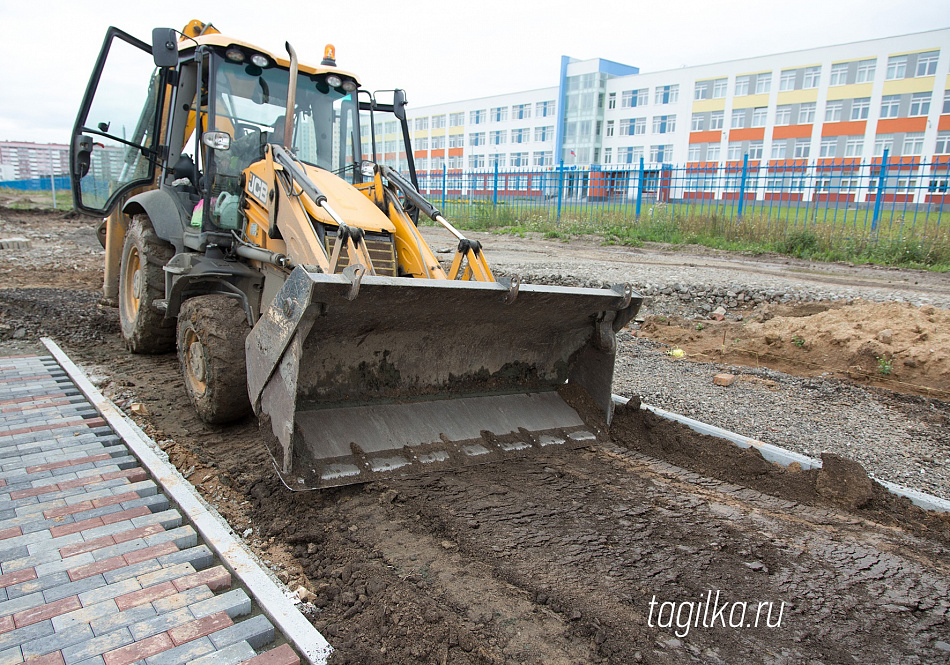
x: 52, y: 177
x: 443, y: 188
x: 639, y: 189
x: 879, y: 199
x: 742, y: 184
x: 560, y: 188
x: 494, y: 196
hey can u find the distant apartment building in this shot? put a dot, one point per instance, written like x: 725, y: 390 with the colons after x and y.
x: 833, y: 106
x: 22, y: 160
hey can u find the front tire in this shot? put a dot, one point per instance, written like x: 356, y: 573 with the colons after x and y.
x: 141, y: 283
x: 211, y: 333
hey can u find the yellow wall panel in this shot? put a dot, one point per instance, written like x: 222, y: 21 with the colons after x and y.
x: 853, y: 91
x: 702, y: 105
x: 900, y: 86
x: 797, y: 96
x: 748, y: 101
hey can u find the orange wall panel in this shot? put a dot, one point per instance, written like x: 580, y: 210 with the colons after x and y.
x: 856, y: 128
x: 438, y: 153
x: 747, y: 134
x: 897, y: 125
x: 713, y: 136
x: 455, y: 152
x: 944, y: 123
x: 792, y: 132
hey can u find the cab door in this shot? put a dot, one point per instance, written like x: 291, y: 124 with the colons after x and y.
x: 115, y: 142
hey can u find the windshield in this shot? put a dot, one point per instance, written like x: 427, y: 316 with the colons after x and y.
x: 251, y: 103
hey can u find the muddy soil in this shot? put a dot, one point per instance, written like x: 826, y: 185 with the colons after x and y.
x: 561, y: 559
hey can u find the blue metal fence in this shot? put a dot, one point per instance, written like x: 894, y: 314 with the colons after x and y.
x: 907, y: 198
x: 36, y: 184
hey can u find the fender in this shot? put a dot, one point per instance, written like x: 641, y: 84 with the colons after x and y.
x: 164, y: 211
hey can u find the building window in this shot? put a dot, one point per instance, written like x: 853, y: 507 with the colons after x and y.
x: 717, y: 119
x: 913, y: 144
x: 457, y: 119
x: 422, y: 164
x: 854, y: 146
x: 860, y: 108
x: 660, y: 153
x: 455, y: 162
x: 758, y: 116
x: 499, y: 114
x: 833, y: 111
x: 806, y: 113
x: 608, y: 155
x: 755, y: 150
x: 882, y: 143
x: 667, y: 94
x: 866, y: 71
x: 519, y: 159
x: 927, y: 64
x: 920, y: 103
x: 520, y: 135
x: 812, y: 74
x: 778, y: 150
x: 612, y: 100
x: 946, y: 101
x: 742, y: 85
x: 943, y: 144
x: 896, y: 67
x: 719, y: 88
x: 694, y: 153
x: 701, y: 91
x: 544, y: 133
x: 498, y: 137
x: 422, y: 124
x: 634, y: 98
x: 664, y: 124
x: 437, y: 163
x: 496, y: 160
x: 735, y: 151
x: 787, y: 79
x: 763, y: 83
x: 545, y: 158
x: 422, y: 144
x: 477, y: 117
x: 438, y: 142
x: 544, y: 109
x: 839, y: 74
x: 476, y: 139
x: 783, y: 115
x: 520, y: 112
x: 828, y: 147
x: 698, y: 123
x: 890, y: 106
x: 802, y: 148
x: 738, y: 118
x: 457, y: 141
x: 712, y: 153
x: 438, y: 122
x: 633, y: 126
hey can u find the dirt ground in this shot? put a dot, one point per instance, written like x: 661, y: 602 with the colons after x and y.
x: 556, y: 559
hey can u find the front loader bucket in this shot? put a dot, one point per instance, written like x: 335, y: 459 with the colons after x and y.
x: 358, y: 379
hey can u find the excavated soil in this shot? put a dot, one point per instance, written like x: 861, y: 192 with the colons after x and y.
x: 553, y: 559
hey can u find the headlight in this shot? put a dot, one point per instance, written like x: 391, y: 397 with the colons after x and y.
x: 334, y: 81
x: 260, y: 60
x: 368, y: 169
x: 217, y: 140
x: 349, y: 85
x: 234, y: 55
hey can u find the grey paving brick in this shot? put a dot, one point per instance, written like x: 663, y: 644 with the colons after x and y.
x: 55, y: 543
x: 185, y: 653
x: 135, y: 570
x: 64, y: 564
x: 184, y: 599
x: 14, y: 553
x: 200, y: 557
x: 97, y: 660
x: 157, y: 503
x: 160, y: 623
x: 108, y: 529
x: 30, y: 560
x: 95, y: 492
x: 57, y: 641
x: 85, y: 615
x: 73, y: 588
x: 235, y: 602
x: 19, y: 636
x: 256, y: 631
x: 115, y: 621
x: 29, y: 538
x: 143, y: 488
x: 20, y: 603
x: 165, y: 574
x: 169, y: 519
x: 97, y: 646
x: 109, y: 591
x: 36, y: 508
x: 229, y: 655
x: 120, y: 548
x: 39, y: 584
x: 11, y: 656
x: 183, y: 537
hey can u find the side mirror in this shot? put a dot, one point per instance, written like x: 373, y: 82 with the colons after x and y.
x: 164, y: 47
x: 82, y: 154
x: 399, y: 104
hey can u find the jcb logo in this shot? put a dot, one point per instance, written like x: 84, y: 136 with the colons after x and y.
x: 258, y: 189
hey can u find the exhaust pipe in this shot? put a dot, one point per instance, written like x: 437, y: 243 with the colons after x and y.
x: 291, y: 98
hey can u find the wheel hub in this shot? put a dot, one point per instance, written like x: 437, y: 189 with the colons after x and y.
x: 196, y: 361
x: 137, y: 284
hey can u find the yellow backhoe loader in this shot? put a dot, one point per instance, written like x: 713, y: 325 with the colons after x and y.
x: 252, y: 222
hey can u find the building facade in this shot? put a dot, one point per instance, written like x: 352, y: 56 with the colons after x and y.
x: 822, y: 106
x: 22, y: 160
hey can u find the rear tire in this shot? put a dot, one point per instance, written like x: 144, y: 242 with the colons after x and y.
x: 141, y: 283
x: 211, y: 333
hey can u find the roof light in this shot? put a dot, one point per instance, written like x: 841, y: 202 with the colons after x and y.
x: 349, y: 85
x: 334, y: 81
x: 234, y: 55
x: 329, y: 56
x: 260, y: 60
x: 217, y: 140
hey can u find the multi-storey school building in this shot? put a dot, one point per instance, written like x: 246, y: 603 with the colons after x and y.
x: 21, y: 160
x: 829, y: 106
